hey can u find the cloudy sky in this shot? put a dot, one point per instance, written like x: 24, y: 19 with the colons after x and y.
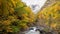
x: 38, y: 3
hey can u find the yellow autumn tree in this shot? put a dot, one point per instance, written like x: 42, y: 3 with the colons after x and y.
x: 50, y: 16
x: 14, y: 16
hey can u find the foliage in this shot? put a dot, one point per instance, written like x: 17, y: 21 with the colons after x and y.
x: 50, y: 16
x: 14, y: 15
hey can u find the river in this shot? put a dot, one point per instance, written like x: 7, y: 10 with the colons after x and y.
x: 33, y: 32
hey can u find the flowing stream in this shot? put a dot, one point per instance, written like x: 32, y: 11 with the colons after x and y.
x: 34, y: 32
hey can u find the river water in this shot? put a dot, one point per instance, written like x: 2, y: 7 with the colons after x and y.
x: 33, y: 32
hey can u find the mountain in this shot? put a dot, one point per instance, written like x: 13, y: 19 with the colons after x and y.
x: 48, y: 3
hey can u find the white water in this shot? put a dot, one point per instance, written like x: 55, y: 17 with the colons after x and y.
x: 33, y: 32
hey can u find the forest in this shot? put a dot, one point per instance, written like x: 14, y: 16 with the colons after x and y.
x: 16, y: 16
